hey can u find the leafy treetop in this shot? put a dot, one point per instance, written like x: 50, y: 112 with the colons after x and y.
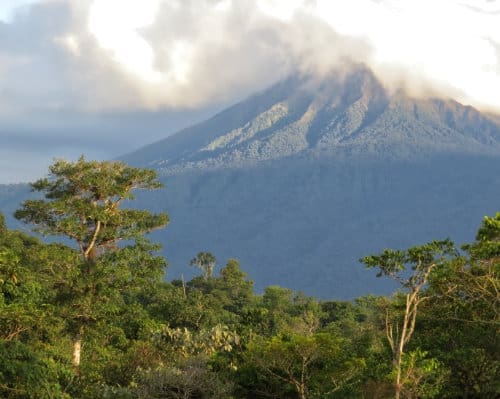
x: 82, y: 202
x: 420, y: 259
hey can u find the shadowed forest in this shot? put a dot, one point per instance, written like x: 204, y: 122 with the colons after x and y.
x: 91, y: 314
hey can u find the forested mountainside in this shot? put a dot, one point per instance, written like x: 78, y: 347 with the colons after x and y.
x: 303, y: 179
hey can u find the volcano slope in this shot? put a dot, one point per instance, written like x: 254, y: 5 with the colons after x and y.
x: 300, y: 181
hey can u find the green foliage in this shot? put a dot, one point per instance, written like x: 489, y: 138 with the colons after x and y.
x: 423, y: 377
x: 190, y: 378
x: 27, y: 321
x: 393, y: 263
x: 233, y: 288
x: 487, y: 245
x: 205, y: 261
x: 204, y: 342
x: 82, y: 202
x: 313, y: 366
x: 460, y: 325
x: 213, y: 337
x: 3, y: 226
x: 400, y: 323
x: 25, y: 374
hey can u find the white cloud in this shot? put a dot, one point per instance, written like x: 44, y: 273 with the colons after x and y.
x: 121, y: 37
x: 150, y: 54
x: 88, y: 75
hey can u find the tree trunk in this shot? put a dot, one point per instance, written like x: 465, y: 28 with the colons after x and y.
x: 77, y: 348
x: 397, y: 389
x: 406, y: 332
x: 302, y: 392
x: 397, y: 383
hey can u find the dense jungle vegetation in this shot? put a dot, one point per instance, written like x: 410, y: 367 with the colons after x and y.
x: 90, y: 314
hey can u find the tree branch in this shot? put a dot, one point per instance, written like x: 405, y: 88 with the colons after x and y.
x: 93, y: 241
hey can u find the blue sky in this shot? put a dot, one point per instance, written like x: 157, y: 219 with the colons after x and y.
x: 8, y: 7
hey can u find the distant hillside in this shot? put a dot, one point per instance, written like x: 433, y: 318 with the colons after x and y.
x: 303, y: 179
x: 11, y: 196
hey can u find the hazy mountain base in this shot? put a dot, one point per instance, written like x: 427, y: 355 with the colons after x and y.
x: 303, y: 179
x: 304, y: 223
x: 11, y: 196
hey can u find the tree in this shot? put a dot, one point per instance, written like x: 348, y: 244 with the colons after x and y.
x: 232, y: 287
x: 484, y: 269
x: 190, y: 378
x: 316, y: 366
x: 205, y: 261
x: 82, y: 201
x: 459, y: 326
x: 28, y: 327
x: 421, y: 260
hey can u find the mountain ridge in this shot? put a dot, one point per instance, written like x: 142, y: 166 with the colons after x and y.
x: 338, y: 116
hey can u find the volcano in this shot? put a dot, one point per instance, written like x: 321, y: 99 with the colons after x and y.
x: 301, y: 180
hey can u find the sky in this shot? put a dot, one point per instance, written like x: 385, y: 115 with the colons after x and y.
x: 104, y: 77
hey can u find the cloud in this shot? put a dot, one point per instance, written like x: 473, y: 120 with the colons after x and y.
x: 218, y: 51
x: 202, y: 52
x: 89, y: 75
x: 110, y: 55
x: 53, y: 63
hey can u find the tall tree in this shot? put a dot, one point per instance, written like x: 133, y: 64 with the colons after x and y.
x: 315, y: 366
x: 205, y: 261
x: 83, y: 201
x: 460, y: 324
x: 421, y: 260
